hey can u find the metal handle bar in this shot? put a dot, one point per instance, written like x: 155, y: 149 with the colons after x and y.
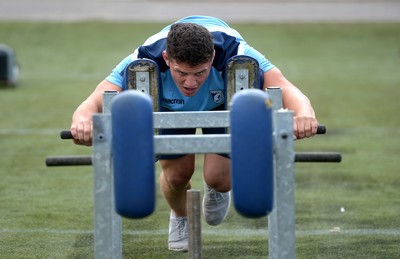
x: 321, y: 129
x: 318, y: 157
x: 305, y: 157
x: 66, y: 134
x: 68, y: 160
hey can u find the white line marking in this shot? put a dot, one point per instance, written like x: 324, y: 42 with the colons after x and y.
x: 219, y: 232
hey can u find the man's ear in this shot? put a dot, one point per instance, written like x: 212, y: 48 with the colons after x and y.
x: 165, y: 57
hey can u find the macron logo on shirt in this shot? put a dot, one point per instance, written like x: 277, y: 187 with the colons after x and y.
x: 173, y: 101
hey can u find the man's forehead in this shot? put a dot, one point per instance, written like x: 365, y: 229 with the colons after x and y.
x: 186, y: 68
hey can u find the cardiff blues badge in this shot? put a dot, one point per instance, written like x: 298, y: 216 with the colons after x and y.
x: 217, y: 96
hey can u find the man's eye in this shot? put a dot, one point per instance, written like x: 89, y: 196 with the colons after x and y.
x: 182, y: 73
x: 200, y: 73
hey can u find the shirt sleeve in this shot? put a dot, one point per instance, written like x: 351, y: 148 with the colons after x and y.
x: 264, y: 63
x: 117, y: 74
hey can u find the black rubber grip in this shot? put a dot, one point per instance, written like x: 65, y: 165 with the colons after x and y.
x: 68, y: 160
x: 318, y: 157
x: 321, y: 129
x: 66, y: 134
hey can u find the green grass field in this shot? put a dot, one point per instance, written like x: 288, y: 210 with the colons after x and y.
x: 351, y: 72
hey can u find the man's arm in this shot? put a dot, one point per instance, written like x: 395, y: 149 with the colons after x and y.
x: 305, y: 122
x: 82, y: 123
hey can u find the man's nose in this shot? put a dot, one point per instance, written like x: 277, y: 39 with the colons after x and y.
x: 190, y: 81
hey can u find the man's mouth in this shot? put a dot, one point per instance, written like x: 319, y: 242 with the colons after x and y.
x: 189, y: 91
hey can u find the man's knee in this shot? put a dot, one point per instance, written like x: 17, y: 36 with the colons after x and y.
x: 218, y: 184
x: 175, y: 180
x: 217, y: 173
x: 177, y: 172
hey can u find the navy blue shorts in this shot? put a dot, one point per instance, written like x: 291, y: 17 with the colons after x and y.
x: 191, y: 131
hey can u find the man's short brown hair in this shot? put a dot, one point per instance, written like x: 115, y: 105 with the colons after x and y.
x: 190, y: 43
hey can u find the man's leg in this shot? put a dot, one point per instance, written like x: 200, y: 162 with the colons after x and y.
x: 174, y: 182
x: 217, y: 172
x: 217, y: 197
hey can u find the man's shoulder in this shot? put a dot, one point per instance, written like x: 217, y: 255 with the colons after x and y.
x: 154, y: 52
x: 204, y: 20
x: 226, y: 46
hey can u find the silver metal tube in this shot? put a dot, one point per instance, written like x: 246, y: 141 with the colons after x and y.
x: 281, y: 221
x: 275, y: 93
x: 108, y: 224
x: 196, y: 119
x: 107, y: 97
x: 192, y: 144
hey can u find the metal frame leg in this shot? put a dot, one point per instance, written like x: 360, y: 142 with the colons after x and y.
x: 281, y: 221
x: 107, y: 223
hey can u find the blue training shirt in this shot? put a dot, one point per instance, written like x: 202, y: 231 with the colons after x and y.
x: 227, y: 43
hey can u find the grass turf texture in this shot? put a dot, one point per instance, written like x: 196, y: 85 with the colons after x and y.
x: 349, y: 71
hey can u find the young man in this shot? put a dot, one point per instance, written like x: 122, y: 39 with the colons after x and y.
x: 191, y: 55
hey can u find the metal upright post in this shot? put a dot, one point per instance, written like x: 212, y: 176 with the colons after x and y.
x: 108, y: 224
x: 281, y: 221
x: 275, y: 94
x: 107, y: 97
x: 194, y: 223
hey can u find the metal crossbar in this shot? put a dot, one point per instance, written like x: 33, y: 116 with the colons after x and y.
x: 192, y: 144
x: 193, y: 119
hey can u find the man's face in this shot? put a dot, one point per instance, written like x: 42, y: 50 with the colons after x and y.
x: 189, y: 79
